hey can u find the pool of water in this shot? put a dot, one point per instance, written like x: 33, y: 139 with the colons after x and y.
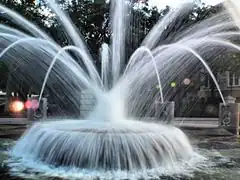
x: 221, y: 162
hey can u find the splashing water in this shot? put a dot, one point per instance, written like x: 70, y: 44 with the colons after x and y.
x: 111, y: 139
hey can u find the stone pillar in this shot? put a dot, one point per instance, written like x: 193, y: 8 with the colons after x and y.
x: 165, y: 111
x: 86, y: 103
x: 30, y: 111
x: 42, y: 106
x: 30, y: 114
x: 229, y: 115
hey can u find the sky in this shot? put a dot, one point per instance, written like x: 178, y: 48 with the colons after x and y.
x: 162, y: 3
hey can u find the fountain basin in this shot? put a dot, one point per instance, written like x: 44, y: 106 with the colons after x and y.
x: 125, y: 145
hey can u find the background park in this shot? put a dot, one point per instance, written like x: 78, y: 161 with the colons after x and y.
x: 197, y: 96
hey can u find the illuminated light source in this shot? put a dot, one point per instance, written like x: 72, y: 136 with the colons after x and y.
x: 173, y: 84
x: 186, y: 81
x: 28, y: 104
x: 16, y: 106
x: 32, y: 104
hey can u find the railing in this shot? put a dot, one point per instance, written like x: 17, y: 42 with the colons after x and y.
x: 195, y: 122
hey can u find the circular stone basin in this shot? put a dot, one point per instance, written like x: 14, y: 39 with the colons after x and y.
x: 121, y: 145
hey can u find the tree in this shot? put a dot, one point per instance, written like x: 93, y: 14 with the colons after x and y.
x: 28, y: 9
x: 3, y: 75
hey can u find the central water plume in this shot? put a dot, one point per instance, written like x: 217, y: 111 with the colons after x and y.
x: 116, y: 135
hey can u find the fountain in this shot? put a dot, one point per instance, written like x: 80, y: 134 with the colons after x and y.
x: 112, y: 139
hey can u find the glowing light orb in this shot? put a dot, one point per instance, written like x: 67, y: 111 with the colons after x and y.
x: 186, y: 81
x: 32, y: 104
x: 173, y: 84
x: 16, y: 106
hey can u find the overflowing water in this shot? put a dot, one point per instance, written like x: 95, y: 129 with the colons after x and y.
x: 112, y: 138
x: 125, y: 145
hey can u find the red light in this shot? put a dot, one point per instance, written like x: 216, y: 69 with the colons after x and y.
x: 28, y: 104
x: 16, y: 106
x: 32, y: 104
